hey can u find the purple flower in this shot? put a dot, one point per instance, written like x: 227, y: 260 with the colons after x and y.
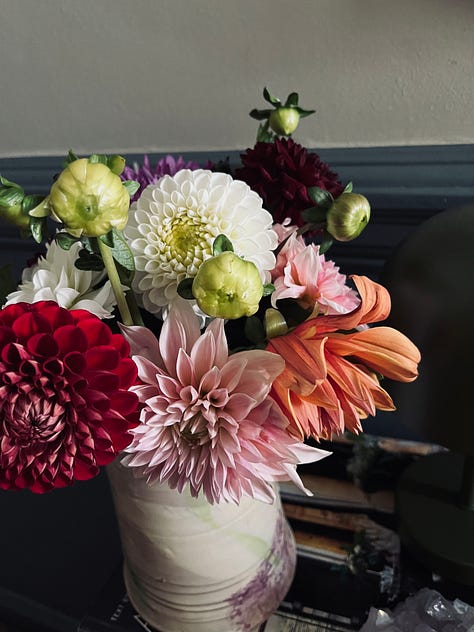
x: 145, y: 174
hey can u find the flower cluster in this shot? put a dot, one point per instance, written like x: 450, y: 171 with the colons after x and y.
x: 182, y: 320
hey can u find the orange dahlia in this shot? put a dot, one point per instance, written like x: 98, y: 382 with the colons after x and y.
x: 333, y: 364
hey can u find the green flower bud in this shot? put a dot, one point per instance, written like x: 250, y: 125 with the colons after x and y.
x: 11, y: 209
x: 284, y: 121
x: 347, y: 217
x: 116, y: 164
x: 89, y: 199
x: 275, y: 323
x: 227, y: 286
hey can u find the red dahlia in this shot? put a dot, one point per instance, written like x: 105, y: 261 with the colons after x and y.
x: 65, y: 407
x: 281, y: 172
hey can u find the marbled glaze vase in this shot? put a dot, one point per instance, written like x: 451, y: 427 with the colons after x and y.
x: 190, y: 566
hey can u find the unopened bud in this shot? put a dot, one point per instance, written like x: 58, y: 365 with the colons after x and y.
x: 284, y: 121
x: 227, y: 286
x: 11, y: 198
x: 89, y: 198
x: 347, y: 217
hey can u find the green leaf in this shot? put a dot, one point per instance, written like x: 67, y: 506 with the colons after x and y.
x: 11, y: 196
x: 38, y: 228
x: 71, y: 157
x: 98, y: 158
x: 121, y: 251
x: 7, y: 283
x: 10, y: 184
x: 314, y: 215
x: 132, y: 186
x: 42, y: 208
x: 292, y: 100
x: 348, y: 188
x: 260, y: 115
x: 326, y: 243
x: 254, y: 330
x: 126, y: 276
x: 270, y: 98
x: 65, y: 240
x: 320, y: 197
x: 89, y: 261
x: 108, y: 239
x: 304, y: 113
x: 31, y: 201
x: 185, y: 288
x: 221, y: 244
x: 264, y: 133
x: 268, y: 289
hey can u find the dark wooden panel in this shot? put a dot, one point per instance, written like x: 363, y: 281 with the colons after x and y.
x: 405, y: 185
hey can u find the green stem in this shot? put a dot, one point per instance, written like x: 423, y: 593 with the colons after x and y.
x: 115, y: 282
x: 134, y: 309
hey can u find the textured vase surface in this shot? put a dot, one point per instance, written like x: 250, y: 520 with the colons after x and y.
x: 190, y: 566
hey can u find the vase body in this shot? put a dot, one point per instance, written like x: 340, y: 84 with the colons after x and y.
x: 190, y: 566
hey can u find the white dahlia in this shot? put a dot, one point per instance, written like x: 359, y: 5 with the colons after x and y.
x: 173, y: 225
x: 54, y: 277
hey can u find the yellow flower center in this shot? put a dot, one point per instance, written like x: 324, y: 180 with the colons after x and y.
x: 187, y: 240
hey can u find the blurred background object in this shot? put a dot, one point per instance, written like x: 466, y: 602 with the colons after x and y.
x: 430, y: 278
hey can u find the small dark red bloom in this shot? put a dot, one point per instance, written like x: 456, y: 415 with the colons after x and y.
x: 281, y: 172
x: 65, y: 407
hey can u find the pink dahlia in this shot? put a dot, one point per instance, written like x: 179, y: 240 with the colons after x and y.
x: 65, y: 407
x: 145, y: 174
x: 315, y: 283
x: 281, y: 172
x: 207, y: 420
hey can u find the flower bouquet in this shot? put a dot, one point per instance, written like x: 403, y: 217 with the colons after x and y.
x: 185, y: 326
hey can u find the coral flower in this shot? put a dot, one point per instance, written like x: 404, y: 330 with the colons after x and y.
x: 331, y: 379
x: 207, y: 420
x: 65, y: 407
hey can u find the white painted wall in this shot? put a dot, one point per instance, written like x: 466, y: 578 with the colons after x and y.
x: 170, y: 75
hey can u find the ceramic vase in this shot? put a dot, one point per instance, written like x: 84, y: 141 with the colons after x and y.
x: 190, y: 566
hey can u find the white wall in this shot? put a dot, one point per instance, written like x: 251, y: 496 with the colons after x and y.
x: 170, y: 75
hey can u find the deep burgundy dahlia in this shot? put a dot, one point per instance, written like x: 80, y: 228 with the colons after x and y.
x: 281, y: 172
x: 65, y: 407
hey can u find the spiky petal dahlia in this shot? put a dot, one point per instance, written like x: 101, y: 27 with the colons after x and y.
x: 173, y: 226
x: 333, y: 363
x: 65, y: 407
x: 281, y: 172
x: 147, y: 174
x: 207, y: 420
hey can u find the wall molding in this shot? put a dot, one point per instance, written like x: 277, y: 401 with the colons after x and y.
x: 405, y: 186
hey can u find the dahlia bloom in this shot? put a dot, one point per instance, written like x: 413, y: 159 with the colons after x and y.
x: 281, y: 172
x: 206, y: 418
x: 331, y: 378
x: 173, y: 226
x: 54, y: 277
x: 145, y: 174
x: 303, y: 274
x: 65, y: 407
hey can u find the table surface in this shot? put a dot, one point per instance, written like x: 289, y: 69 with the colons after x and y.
x: 59, y: 551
